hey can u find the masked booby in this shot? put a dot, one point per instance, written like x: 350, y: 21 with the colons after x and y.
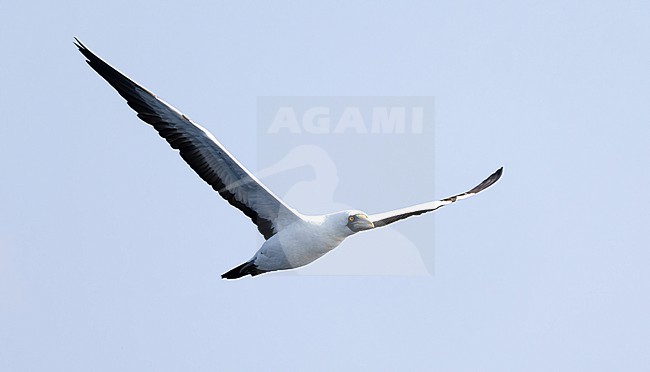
x: 291, y: 239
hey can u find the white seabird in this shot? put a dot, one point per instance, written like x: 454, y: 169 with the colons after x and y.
x: 292, y: 239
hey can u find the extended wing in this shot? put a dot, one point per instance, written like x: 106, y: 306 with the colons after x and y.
x: 383, y: 219
x: 201, y: 151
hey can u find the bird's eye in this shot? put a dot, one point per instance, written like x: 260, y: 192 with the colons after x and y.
x: 351, y: 218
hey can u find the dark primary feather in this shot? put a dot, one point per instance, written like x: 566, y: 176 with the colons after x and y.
x: 198, y: 148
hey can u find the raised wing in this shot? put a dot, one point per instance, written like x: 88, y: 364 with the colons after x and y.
x: 383, y: 219
x: 201, y: 151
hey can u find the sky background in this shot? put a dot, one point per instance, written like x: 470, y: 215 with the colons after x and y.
x: 111, y: 248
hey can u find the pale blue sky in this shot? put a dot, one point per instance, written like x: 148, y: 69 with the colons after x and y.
x: 111, y: 248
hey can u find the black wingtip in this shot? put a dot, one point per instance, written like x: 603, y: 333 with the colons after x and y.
x: 84, y: 50
x: 493, y: 178
x: 78, y: 44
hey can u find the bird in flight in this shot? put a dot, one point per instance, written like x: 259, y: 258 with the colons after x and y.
x: 291, y: 238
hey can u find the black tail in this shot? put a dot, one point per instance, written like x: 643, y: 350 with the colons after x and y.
x: 247, y: 268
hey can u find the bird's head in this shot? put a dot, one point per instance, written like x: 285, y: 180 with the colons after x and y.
x: 345, y: 223
x: 358, y: 221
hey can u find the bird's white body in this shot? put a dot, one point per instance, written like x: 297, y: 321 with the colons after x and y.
x: 303, y: 241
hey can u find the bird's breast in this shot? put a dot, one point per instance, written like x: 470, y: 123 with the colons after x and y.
x: 296, y: 246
